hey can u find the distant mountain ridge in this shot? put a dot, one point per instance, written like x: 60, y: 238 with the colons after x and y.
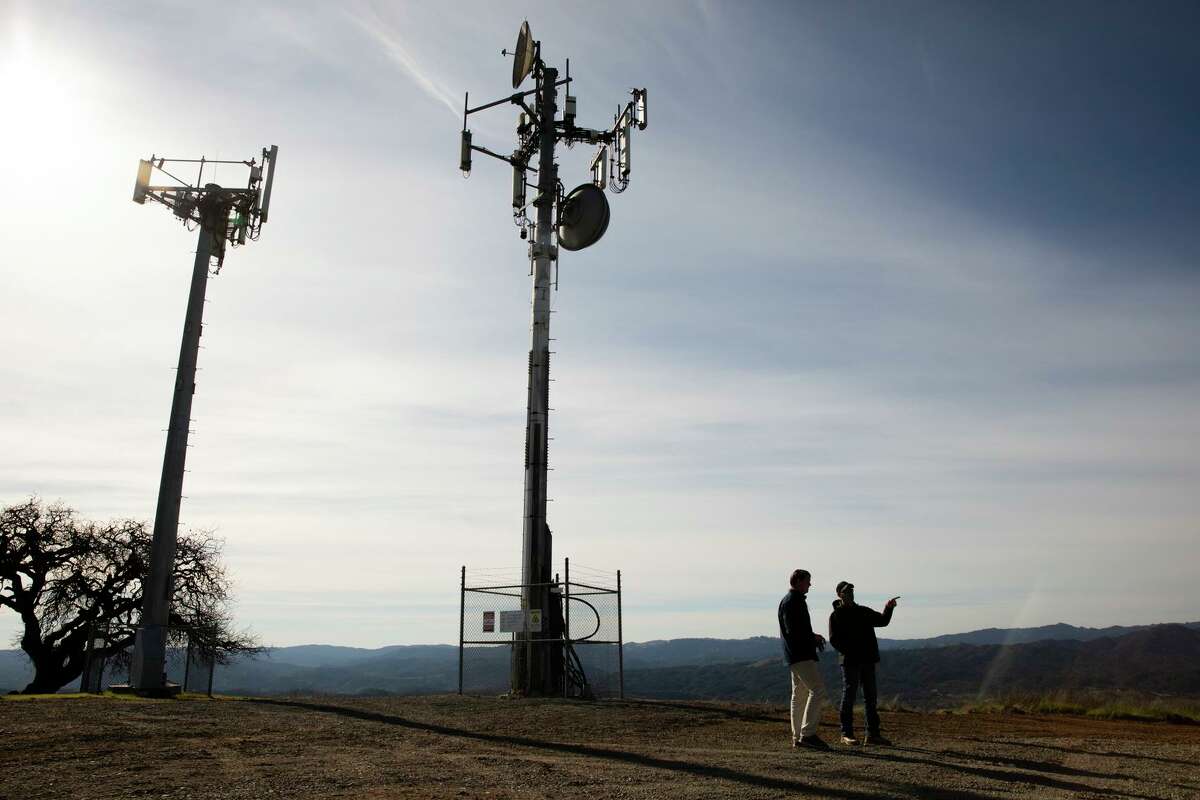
x: 730, y: 664
x: 1162, y: 660
x: 1060, y: 630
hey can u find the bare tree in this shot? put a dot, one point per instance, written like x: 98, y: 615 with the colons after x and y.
x: 68, y: 577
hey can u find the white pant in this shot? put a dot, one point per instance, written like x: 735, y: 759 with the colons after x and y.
x: 806, y: 685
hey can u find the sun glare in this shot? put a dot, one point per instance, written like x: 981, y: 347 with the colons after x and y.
x: 44, y: 113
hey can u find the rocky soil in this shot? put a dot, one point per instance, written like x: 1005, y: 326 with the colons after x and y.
x: 464, y: 747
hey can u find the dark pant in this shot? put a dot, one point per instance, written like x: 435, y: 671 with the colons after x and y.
x: 853, y: 676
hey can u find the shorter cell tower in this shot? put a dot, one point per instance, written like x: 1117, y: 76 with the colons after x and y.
x: 223, y: 217
x: 571, y: 221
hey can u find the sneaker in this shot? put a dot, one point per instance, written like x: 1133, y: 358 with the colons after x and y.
x: 850, y: 741
x: 877, y: 739
x: 813, y: 742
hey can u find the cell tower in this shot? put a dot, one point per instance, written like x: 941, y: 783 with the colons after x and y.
x: 223, y: 216
x: 571, y: 221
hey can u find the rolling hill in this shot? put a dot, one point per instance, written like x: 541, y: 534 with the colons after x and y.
x: 1157, y: 659
x: 1160, y: 660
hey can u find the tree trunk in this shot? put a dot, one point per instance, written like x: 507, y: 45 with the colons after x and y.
x: 43, y: 683
x: 52, y: 671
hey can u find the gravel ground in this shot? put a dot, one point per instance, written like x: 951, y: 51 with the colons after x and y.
x: 463, y: 747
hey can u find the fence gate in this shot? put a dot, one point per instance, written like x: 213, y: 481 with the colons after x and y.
x: 581, y: 632
x: 91, y: 681
x: 198, y: 669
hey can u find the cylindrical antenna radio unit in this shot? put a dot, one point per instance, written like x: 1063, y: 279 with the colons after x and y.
x: 518, y: 194
x: 464, y: 161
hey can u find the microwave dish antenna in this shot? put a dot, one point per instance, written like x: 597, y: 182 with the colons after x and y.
x: 524, y: 55
x: 582, y: 217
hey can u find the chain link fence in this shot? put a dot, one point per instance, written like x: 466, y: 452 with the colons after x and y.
x: 580, y: 634
x: 186, y: 663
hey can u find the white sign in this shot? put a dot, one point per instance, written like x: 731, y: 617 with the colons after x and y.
x: 514, y: 621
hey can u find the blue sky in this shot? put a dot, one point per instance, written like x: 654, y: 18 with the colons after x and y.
x: 904, y: 294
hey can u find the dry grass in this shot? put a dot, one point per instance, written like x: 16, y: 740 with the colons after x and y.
x: 186, y: 696
x: 1097, y: 706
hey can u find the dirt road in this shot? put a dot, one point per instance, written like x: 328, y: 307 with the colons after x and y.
x: 454, y: 747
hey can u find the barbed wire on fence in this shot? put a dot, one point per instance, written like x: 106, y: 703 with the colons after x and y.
x: 609, y: 573
x: 596, y: 577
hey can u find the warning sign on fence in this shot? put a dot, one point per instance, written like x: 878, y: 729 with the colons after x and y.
x: 489, y: 622
x: 514, y: 621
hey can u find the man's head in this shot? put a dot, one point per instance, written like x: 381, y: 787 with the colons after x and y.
x: 845, y: 590
x: 801, y: 580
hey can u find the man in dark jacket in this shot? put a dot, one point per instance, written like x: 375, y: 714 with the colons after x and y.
x: 852, y: 634
x: 800, y: 646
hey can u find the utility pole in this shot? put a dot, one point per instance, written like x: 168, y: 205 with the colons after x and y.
x: 572, y: 222
x: 220, y: 215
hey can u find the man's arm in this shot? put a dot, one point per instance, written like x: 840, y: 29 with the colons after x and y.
x: 882, y: 620
x: 795, y: 621
x: 837, y: 632
x: 800, y: 625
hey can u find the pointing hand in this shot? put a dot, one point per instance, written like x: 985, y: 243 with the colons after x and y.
x: 892, y: 603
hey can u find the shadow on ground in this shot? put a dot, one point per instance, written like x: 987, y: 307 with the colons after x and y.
x: 1032, y: 774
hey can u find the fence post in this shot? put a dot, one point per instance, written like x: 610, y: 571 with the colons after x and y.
x: 84, y: 686
x: 187, y: 663
x: 620, y: 642
x: 462, y: 613
x: 85, y: 679
x: 526, y: 595
x: 566, y: 621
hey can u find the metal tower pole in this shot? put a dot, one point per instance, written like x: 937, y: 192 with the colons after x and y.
x: 534, y: 676
x: 538, y: 129
x: 150, y: 644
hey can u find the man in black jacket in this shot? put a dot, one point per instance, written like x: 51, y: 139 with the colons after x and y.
x: 800, y: 646
x: 852, y: 634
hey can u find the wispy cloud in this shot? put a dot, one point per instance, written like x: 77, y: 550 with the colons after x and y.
x: 390, y: 41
